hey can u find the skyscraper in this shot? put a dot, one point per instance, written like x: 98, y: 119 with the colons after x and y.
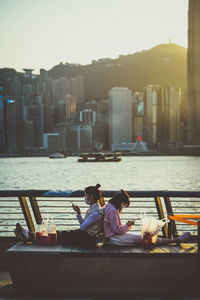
x: 193, y: 61
x: 10, y: 125
x: 1, y: 121
x: 78, y: 91
x: 120, y: 118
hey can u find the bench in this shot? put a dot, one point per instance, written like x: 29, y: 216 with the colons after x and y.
x: 105, y: 271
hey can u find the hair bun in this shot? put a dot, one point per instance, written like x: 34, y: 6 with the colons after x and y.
x: 97, y: 186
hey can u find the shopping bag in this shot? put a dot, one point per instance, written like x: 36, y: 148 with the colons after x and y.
x: 52, y: 233
x: 45, y: 233
x: 150, y: 227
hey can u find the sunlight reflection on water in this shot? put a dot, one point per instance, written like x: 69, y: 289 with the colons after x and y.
x: 132, y: 173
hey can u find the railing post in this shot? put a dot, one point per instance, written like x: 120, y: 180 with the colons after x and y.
x: 36, y: 210
x: 161, y: 215
x: 198, y: 238
x: 27, y: 214
x: 172, y: 230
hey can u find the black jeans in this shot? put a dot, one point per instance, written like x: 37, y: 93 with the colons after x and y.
x: 75, y: 238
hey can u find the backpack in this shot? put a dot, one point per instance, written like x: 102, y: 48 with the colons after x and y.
x: 100, y: 237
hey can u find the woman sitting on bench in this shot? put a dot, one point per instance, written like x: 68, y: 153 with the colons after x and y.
x: 118, y: 234
x: 90, y: 226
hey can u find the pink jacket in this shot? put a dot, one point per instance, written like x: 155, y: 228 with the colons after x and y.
x: 112, y: 223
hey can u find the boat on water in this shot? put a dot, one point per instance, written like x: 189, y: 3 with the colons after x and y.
x: 56, y: 155
x: 100, y: 157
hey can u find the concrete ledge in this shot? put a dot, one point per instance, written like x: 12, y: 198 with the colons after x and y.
x: 123, y: 274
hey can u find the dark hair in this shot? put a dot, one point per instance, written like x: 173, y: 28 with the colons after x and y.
x: 118, y: 198
x: 96, y: 193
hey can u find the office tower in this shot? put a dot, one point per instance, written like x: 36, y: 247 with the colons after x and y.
x: 35, y: 114
x: 49, y: 117
x: 88, y: 116
x: 60, y: 89
x: 78, y: 91
x: 70, y: 103
x: 28, y: 134
x: 80, y: 138
x: 150, y: 115
x: 10, y: 114
x: 29, y: 87
x: 193, y: 61
x: 137, y: 128
x: 2, y: 132
x: 50, y: 142
x: 63, y: 136
x: 75, y: 137
x: 120, y: 117
x: 15, y: 86
x: 100, y: 129
x: 25, y: 137
x: 60, y: 112
x: 173, y: 100
x: 155, y: 123
x: 137, y: 114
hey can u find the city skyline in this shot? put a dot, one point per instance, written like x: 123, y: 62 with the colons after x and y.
x: 41, y: 34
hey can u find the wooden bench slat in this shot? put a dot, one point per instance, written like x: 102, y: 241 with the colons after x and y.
x: 136, y: 249
x: 124, y: 250
x: 66, y: 250
x: 89, y: 250
x: 112, y: 249
x: 78, y: 250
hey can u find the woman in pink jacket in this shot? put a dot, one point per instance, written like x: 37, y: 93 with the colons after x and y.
x: 119, y: 234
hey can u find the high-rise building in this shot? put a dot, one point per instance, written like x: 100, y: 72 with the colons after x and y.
x: 162, y: 121
x: 61, y: 88
x: 50, y: 142
x: 35, y: 114
x: 193, y: 97
x: 75, y: 137
x: 70, y: 103
x: 88, y: 116
x: 149, y: 115
x: 120, y: 115
x: 2, y: 132
x: 78, y: 91
x: 10, y: 116
x: 60, y: 112
x: 173, y: 98
x: 137, y: 114
x: 25, y: 137
x: 80, y: 138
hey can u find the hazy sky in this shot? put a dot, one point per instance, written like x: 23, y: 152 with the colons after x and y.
x: 42, y: 33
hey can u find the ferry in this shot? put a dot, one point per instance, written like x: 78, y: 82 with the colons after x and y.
x: 57, y: 155
x: 100, y: 157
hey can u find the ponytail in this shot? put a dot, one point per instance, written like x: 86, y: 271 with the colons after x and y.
x: 96, y: 193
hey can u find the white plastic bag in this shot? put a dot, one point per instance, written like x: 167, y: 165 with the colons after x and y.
x: 151, y: 226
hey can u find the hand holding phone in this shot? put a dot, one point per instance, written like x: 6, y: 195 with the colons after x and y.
x: 130, y: 223
x: 76, y: 208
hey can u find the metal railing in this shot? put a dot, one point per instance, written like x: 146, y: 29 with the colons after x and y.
x: 29, y: 207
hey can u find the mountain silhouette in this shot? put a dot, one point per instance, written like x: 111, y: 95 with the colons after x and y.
x: 165, y: 64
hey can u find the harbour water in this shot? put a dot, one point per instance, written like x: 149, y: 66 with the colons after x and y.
x: 132, y: 173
